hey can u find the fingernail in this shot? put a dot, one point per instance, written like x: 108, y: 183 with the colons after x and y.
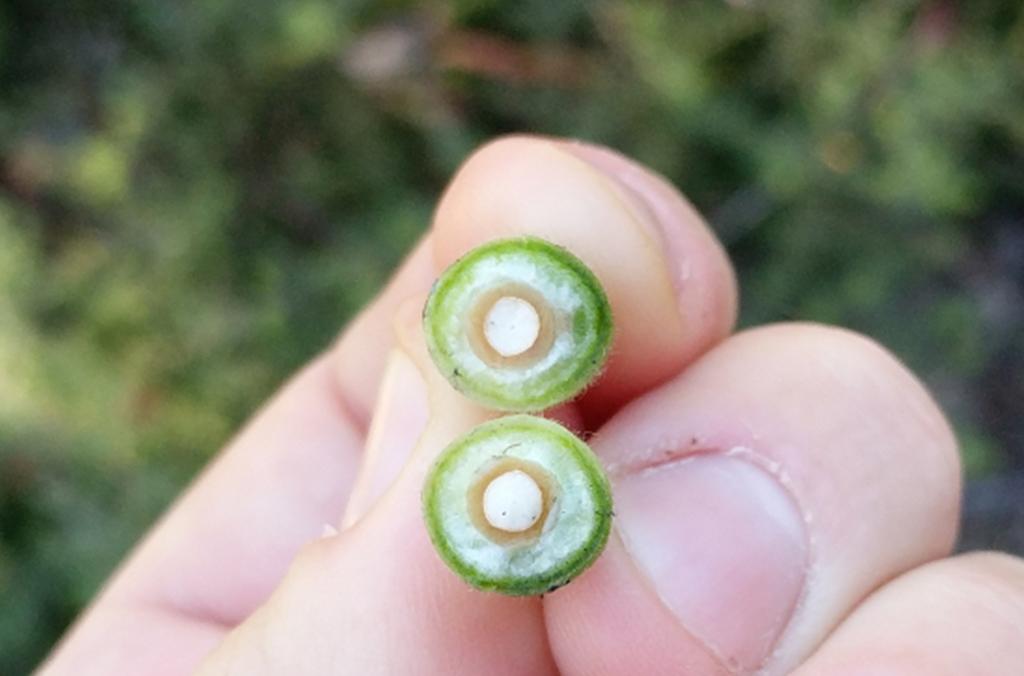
x: 724, y: 546
x: 668, y: 216
x: 399, y: 417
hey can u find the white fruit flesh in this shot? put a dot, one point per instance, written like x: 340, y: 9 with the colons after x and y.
x: 511, y: 326
x: 513, y: 502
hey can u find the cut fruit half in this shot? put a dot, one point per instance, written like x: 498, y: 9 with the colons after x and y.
x: 519, y: 505
x: 518, y: 325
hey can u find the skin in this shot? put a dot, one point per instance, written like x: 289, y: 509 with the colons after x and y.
x: 238, y: 577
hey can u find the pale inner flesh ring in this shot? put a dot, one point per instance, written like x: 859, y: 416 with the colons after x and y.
x: 513, y: 502
x: 511, y: 326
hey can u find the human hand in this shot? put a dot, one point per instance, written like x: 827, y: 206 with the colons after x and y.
x: 786, y: 497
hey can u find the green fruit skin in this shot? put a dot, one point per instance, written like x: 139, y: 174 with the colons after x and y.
x: 569, y: 568
x: 551, y: 389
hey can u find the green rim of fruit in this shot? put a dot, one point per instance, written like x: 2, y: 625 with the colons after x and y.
x: 568, y: 538
x: 576, y: 321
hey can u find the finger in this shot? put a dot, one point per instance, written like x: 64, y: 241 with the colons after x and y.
x: 135, y: 639
x: 361, y: 355
x: 376, y: 599
x: 961, y: 616
x: 212, y: 527
x: 399, y: 419
x: 380, y: 578
x: 660, y: 263
x: 671, y: 287
x: 218, y: 553
x: 229, y: 540
x: 759, y: 496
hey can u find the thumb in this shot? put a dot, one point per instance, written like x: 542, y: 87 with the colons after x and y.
x: 376, y: 598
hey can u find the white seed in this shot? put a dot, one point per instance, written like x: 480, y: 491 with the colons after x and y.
x: 513, y: 502
x: 512, y: 326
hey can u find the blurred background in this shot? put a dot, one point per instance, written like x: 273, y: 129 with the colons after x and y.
x: 194, y: 197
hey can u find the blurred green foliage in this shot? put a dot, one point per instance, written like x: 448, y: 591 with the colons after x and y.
x: 195, y: 196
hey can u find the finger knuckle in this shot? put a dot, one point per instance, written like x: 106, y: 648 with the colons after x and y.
x: 872, y: 396
x: 876, y: 383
